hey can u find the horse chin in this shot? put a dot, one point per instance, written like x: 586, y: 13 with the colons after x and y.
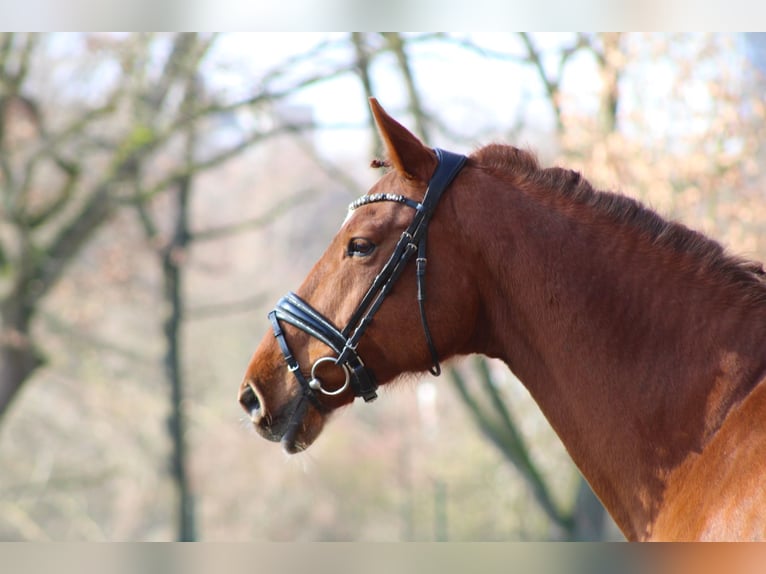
x: 304, y: 426
x: 292, y: 444
x: 297, y: 442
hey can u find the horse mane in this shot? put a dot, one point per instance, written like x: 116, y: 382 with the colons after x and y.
x: 522, y: 170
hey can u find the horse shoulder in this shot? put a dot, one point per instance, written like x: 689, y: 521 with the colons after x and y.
x: 720, y: 493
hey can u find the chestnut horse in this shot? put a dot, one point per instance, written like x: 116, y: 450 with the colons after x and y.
x: 642, y: 341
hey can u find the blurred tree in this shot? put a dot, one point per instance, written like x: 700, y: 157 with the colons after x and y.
x: 34, y: 256
x: 45, y: 224
x: 47, y: 237
x: 586, y: 519
x: 173, y: 247
x: 119, y: 128
x: 123, y: 131
x: 171, y: 255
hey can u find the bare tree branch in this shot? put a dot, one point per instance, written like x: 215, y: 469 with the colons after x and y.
x: 551, y: 85
x: 290, y: 63
x: 504, y: 435
x: 363, y: 70
x: 86, y: 339
x: 396, y: 43
x: 281, y: 207
x: 220, y: 310
x: 481, y: 51
x: 52, y: 143
x: 62, y: 197
x: 335, y: 172
x: 6, y: 43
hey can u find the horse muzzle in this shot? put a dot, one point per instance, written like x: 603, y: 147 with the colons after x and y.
x: 294, y: 424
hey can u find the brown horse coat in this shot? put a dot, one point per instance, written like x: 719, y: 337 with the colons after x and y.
x: 642, y: 341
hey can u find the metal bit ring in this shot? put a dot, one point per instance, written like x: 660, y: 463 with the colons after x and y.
x: 316, y: 384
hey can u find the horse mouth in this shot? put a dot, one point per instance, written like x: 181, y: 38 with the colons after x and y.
x: 295, y: 426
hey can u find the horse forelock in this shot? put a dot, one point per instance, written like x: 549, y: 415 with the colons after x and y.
x: 564, y: 187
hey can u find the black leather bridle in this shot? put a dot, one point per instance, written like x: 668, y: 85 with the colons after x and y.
x: 299, y: 313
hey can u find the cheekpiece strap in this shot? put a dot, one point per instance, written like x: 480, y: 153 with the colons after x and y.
x: 299, y: 313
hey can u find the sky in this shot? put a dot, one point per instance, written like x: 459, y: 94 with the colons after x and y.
x: 480, y: 93
x: 480, y: 97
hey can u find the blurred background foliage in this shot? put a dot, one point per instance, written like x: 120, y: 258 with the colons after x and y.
x: 158, y: 192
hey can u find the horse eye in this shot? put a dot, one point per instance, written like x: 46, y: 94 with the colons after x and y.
x: 360, y: 247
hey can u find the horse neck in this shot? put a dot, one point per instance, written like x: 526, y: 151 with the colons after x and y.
x: 632, y: 355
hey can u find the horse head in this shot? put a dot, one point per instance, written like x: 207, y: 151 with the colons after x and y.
x: 364, y: 315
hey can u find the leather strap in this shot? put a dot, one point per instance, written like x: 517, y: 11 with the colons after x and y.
x: 299, y: 313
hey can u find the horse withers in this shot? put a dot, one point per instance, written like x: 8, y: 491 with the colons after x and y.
x: 643, y: 342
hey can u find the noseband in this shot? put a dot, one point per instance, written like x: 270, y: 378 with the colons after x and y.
x: 299, y: 313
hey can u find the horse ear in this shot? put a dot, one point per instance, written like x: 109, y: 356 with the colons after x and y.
x: 406, y: 152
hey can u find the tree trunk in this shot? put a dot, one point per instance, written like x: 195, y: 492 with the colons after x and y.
x: 589, y: 516
x: 18, y: 356
x: 172, y: 262
x: 18, y: 360
x: 610, y: 69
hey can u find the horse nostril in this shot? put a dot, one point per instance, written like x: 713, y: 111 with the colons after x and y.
x: 249, y: 401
